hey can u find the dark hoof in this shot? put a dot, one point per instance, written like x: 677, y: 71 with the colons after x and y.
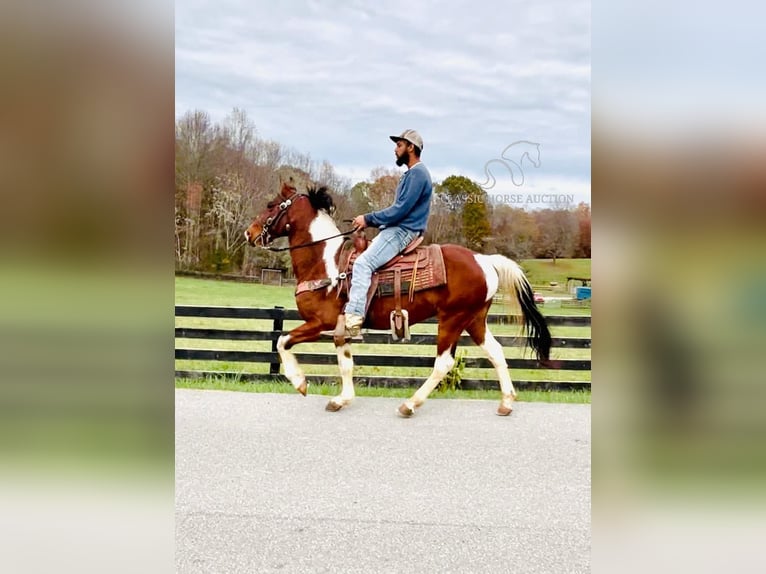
x: 405, y: 411
x: 332, y: 407
x: 303, y: 388
x: 503, y: 411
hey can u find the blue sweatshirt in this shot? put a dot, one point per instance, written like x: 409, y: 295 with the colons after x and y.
x: 412, y: 206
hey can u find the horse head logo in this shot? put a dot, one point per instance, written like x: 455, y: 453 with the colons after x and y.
x: 512, y: 159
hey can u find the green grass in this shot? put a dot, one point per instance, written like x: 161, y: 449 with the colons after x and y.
x: 193, y: 291
x: 543, y: 271
x: 221, y: 384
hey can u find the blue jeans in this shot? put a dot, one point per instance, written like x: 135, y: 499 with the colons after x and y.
x: 389, y: 243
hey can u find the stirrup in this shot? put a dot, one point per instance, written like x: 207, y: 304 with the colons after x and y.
x: 400, y: 325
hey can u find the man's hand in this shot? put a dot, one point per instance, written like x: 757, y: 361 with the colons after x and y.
x: 359, y: 222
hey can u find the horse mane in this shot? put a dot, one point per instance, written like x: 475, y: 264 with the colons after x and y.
x: 321, y: 199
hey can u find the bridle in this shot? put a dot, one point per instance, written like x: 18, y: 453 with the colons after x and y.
x: 265, y: 235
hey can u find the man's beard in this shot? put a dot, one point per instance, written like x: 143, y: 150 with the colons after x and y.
x: 403, y: 159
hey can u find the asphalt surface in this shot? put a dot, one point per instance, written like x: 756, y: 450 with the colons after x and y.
x: 273, y: 483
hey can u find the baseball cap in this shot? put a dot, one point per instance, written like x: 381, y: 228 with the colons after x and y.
x: 411, y: 136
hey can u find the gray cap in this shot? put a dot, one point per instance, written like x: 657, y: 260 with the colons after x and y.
x: 411, y: 136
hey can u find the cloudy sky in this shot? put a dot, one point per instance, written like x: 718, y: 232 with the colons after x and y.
x: 334, y: 78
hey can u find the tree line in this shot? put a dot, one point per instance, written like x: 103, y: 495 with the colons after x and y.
x: 225, y: 174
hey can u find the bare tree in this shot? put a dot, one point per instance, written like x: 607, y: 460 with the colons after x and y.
x: 225, y: 174
x: 383, y: 187
x: 239, y: 132
x: 514, y: 231
x: 195, y: 151
x: 558, y: 233
x: 230, y: 212
x: 267, y: 153
x: 195, y: 143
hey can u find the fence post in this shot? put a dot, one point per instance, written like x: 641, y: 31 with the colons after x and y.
x: 279, y: 316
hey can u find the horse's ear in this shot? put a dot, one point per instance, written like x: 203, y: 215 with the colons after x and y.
x: 287, y: 189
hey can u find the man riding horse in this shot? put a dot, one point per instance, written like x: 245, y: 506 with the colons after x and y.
x: 399, y: 224
x: 460, y: 299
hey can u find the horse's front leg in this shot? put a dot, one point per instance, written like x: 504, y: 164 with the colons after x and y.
x: 346, y: 366
x: 305, y: 333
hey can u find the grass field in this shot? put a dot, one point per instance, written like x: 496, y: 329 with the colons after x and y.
x: 192, y: 291
x: 541, y: 272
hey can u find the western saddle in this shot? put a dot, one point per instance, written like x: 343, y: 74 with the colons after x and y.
x: 416, y: 268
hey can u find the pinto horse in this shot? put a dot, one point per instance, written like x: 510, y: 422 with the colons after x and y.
x: 473, y: 280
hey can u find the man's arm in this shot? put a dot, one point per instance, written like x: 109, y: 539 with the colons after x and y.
x: 408, y: 196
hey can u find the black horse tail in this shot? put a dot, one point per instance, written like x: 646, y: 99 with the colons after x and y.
x: 512, y: 279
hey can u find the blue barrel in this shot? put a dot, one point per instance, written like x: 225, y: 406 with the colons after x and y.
x: 582, y: 293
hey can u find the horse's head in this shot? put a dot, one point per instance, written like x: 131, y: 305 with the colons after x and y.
x: 274, y: 221
x: 288, y: 211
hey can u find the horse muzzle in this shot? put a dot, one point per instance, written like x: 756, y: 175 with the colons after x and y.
x: 253, y: 238
x: 261, y: 239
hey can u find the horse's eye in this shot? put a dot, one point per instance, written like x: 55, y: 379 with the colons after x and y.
x: 270, y: 205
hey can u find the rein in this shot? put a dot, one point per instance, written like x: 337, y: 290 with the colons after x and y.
x: 318, y: 241
x: 283, y: 207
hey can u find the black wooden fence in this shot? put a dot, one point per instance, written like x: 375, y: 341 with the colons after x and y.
x: 279, y: 315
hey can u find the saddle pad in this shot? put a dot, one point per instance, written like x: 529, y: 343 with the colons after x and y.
x: 430, y: 271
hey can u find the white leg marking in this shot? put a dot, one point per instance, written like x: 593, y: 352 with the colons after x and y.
x: 442, y: 366
x: 323, y: 226
x: 490, y: 274
x: 293, y: 371
x: 346, y: 365
x: 495, y: 352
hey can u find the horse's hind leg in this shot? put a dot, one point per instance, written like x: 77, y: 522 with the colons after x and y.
x: 446, y: 340
x: 481, y: 335
x: 346, y: 366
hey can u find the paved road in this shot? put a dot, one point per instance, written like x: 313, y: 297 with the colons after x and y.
x: 273, y: 483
